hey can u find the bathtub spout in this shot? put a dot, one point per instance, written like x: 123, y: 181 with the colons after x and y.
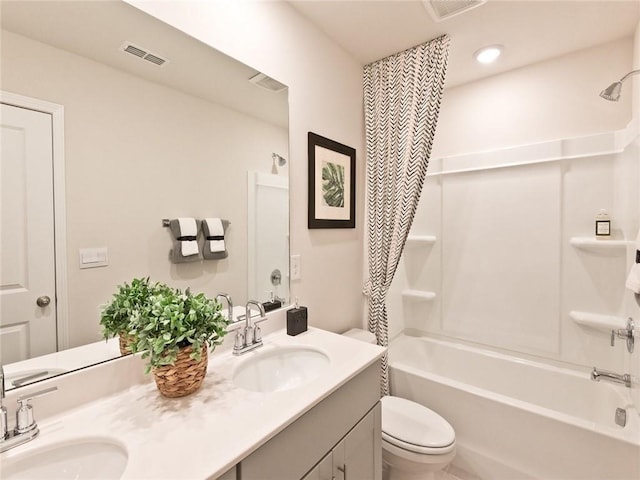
x: 597, y: 375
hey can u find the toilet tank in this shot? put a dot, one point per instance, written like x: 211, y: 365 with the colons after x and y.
x: 362, y: 335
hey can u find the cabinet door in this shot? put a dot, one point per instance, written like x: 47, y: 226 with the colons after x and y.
x: 359, y: 456
x: 298, y: 448
x: 323, y: 470
x: 228, y: 475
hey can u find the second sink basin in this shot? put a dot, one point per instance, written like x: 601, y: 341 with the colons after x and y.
x: 85, y: 460
x: 283, y: 368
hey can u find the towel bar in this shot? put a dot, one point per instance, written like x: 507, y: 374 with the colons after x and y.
x: 166, y: 222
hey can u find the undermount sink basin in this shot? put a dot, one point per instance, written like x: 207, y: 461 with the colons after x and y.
x: 90, y: 459
x: 283, y: 368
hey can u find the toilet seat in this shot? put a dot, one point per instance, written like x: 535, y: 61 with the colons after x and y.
x: 415, y: 428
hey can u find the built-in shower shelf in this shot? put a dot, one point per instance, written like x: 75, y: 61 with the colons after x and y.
x: 420, y: 240
x: 597, y: 321
x: 418, y: 295
x: 594, y: 244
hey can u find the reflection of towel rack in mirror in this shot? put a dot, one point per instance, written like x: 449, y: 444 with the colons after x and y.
x: 193, y: 246
x: 166, y: 222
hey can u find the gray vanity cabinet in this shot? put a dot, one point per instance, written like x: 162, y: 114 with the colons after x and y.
x: 325, y: 469
x: 343, y: 429
x: 357, y: 456
x: 229, y: 475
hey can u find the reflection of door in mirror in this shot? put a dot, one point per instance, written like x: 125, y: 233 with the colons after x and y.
x: 27, y: 295
x: 268, y: 236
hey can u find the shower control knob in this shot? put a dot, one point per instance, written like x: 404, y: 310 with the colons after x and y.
x: 43, y: 301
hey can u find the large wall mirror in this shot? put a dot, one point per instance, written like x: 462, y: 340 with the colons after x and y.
x: 156, y: 126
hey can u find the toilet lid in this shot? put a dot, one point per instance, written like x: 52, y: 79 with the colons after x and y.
x: 412, y: 426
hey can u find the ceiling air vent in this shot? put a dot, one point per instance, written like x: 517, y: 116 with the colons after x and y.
x: 443, y: 9
x: 143, y: 53
x: 267, y: 83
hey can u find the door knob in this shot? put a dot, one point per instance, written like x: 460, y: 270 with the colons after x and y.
x: 43, y: 301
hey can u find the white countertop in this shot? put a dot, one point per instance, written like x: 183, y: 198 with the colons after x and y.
x: 206, y: 433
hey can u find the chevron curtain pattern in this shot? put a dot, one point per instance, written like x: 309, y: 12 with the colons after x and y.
x: 402, y: 95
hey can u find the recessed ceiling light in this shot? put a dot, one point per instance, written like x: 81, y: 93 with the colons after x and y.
x: 488, y: 54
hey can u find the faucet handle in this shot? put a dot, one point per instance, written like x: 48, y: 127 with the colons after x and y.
x: 24, y: 415
x: 625, y: 333
x: 239, y: 340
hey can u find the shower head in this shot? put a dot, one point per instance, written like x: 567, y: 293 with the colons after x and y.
x: 612, y: 92
x: 278, y: 161
x: 278, y: 158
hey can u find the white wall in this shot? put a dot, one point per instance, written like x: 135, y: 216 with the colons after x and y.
x: 544, y: 101
x: 325, y: 97
x: 137, y: 152
x: 503, y: 270
x: 636, y: 78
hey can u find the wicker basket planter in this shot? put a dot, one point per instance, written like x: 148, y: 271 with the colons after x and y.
x: 184, y: 377
x: 126, y: 341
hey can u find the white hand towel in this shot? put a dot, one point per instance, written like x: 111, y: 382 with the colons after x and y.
x: 188, y: 228
x: 215, y: 230
x: 633, y: 280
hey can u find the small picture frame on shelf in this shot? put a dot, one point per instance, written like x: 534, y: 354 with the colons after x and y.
x: 332, y: 183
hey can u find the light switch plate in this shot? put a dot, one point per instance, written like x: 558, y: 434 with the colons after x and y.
x: 94, y: 257
x: 296, y: 273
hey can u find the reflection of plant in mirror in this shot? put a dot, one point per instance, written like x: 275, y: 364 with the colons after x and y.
x: 173, y: 320
x: 121, y: 315
x: 333, y: 184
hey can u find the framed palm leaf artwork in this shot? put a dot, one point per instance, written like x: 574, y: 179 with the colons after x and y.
x: 332, y: 184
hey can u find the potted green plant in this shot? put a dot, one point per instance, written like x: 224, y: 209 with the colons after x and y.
x: 120, y: 316
x: 174, y: 333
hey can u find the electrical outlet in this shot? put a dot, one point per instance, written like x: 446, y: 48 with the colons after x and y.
x: 296, y: 273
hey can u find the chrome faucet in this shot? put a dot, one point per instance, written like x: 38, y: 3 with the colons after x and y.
x: 249, y: 337
x: 626, y: 333
x: 26, y: 428
x: 227, y: 297
x: 624, y: 379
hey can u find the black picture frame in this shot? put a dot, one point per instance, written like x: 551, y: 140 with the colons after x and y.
x: 332, y: 183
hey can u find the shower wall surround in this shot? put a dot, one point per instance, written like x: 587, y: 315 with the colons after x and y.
x: 502, y: 268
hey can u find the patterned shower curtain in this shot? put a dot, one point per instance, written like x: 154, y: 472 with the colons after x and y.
x: 402, y: 95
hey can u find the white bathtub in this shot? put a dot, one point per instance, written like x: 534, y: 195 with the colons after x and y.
x: 519, y: 419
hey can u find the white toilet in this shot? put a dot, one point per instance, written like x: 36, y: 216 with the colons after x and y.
x: 416, y: 441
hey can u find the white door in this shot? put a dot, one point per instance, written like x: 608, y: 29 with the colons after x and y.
x: 27, y: 263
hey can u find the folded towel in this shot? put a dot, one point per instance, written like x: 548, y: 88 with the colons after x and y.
x: 215, y: 247
x: 185, y: 240
x: 215, y: 235
x: 188, y: 226
x: 633, y: 280
x: 188, y: 236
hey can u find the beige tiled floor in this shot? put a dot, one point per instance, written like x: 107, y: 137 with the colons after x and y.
x: 445, y: 476
x: 453, y: 473
x: 449, y: 473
